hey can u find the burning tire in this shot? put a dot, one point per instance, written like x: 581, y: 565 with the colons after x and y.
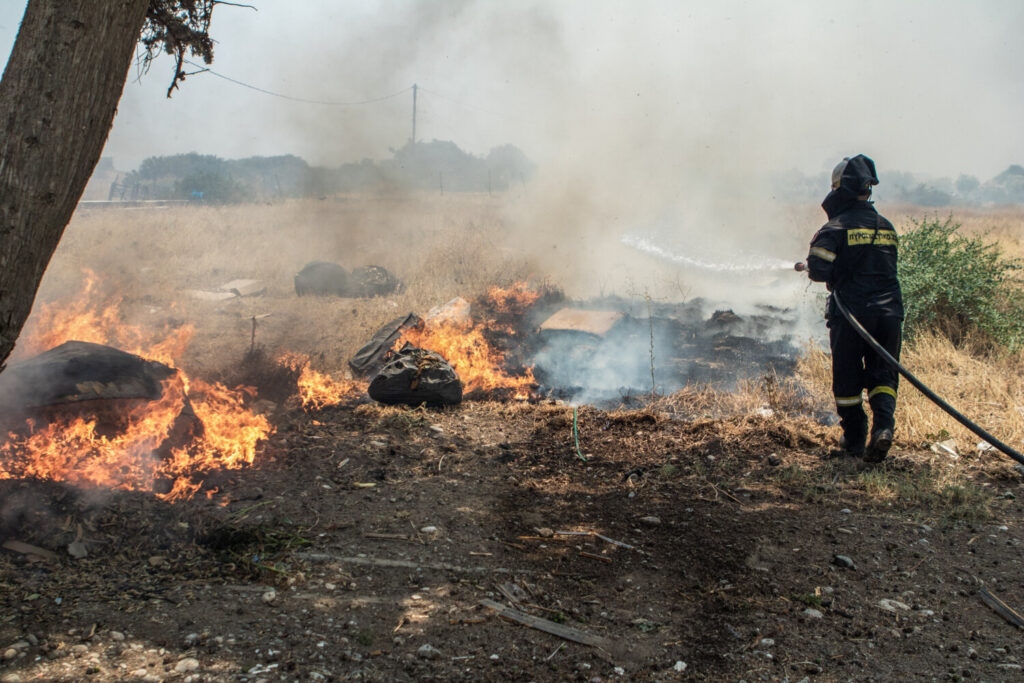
x: 94, y: 416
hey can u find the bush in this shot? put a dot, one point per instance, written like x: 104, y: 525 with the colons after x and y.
x: 960, y: 287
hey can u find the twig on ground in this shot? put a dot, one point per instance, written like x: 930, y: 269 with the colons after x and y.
x: 405, y: 564
x: 508, y: 595
x: 592, y: 556
x: 30, y: 550
x: 726, y: 494
x: 517, y: 546
x: 1001, y: 608
x: 595, y: 535
x: 388, y: 537
x: 551, y: 627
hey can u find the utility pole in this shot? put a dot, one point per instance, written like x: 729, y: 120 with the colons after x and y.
x: 414, y: 89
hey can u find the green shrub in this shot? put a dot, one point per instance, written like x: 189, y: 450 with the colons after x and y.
x: 960, y: 286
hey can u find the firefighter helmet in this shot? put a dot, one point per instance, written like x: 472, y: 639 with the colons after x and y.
x: 855, y: 173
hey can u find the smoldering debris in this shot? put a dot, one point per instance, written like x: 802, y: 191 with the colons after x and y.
x: 105, y: 387
x: 612, y: 348
x: 598, y: 351
x: 374, y: 355
x: 416, y: 376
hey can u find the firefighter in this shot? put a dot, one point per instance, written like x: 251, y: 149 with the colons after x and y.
x: 854, y: 254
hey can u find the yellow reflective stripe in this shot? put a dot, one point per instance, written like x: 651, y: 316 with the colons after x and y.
x: 824, y: 254
x: 861, y: 236
x: 846, y: 401
x: 882, y: 389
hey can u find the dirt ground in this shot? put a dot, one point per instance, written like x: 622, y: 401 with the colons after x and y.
x: 366, y: 534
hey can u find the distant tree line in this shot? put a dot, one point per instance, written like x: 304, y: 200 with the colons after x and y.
x: 437, y: 165
x: 902, y: 187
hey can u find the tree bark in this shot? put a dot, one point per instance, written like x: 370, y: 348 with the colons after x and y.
x: 58, y: 98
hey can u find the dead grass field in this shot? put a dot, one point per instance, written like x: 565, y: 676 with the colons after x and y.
x: 149, y: 258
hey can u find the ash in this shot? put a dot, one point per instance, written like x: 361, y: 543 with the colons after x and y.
x: 681, y: 344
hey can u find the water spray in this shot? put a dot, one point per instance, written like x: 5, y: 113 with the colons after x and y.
x: 918, y: 384
x: 753, y: 265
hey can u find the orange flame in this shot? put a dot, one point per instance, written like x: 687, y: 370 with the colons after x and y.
x: 76, y: 452
x: 317, y: 389
x: 93, y: 317
x: 230, y: 435
x: 223, y: 433
x: 479, y: 365
x: 515, y: 299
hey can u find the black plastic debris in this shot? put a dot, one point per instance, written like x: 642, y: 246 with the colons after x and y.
x: 370, y: 281
x: 322, y: 279
x: 414, y: 376
x: 96, y: 382
x: 369, y: 360
x: 81, y: 371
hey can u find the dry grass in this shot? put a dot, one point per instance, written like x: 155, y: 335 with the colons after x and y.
x: 766, y: 396
x: 1004, y: 225
x: 441, y: 247
x: 988, y: 389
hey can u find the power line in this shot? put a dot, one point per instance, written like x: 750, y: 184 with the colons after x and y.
x: 204, y: 69
x: 297, y: 99
x: 335, y: 103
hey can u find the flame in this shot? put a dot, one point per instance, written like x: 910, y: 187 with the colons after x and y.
x: 76, y: 452
x: 480, y: 366
x: 223, y: 433
x: 515, y: 299
x: 92, y: 316
x: 230, y: 435
x: 316, y: 389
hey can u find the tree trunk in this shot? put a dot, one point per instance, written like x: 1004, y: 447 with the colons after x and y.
x: 57, y: 101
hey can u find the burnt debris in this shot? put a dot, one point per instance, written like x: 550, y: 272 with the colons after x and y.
x: 80, y: 371
x: 322, y: 278
x: 415, y: 376
x: 607, y: 349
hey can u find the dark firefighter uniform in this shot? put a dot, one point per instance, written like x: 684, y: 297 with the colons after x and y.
x: 854, y: 254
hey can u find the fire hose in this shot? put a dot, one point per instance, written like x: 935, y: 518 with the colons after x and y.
x: 919, y: 385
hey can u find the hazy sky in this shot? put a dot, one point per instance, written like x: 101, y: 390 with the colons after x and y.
x: 647, y: 88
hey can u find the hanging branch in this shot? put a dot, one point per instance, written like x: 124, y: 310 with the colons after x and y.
x: 178, y: 28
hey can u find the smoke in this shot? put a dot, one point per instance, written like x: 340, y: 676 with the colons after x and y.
x: 659, y: 163
x: 660, y: 128
x: 660, y: 124
x: 663, y: 348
